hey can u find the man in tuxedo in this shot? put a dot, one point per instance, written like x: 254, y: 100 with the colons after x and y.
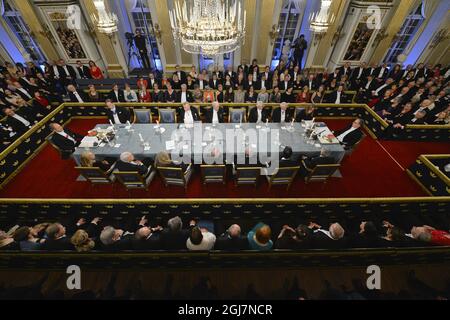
x: 147, y: 238
x: 244, y: 66
x: 189, y: 115
x: 286, y: 158
x: 231, y: 73
x: 299, y: 46
x: 309, y: 163
x: 231, y: 240
x: 215, y: 114
x: 116, y: 94
x: 381, y: 89
x: 295, y: 73
x: 258, y: 114
x: 65, y: 139
x: 263, y: 83
x: 214, y: 82
x: 141, y: 44
x: 75, y: 95
x: 282, y: 114
x: 254, y: 70
x: 174, y: 237
x: 381, y: 72
x: 331, y: 238
x: 117, y: 115
x: 7, y: 135
x: 338, y: 96
x: 180, y: 73
x: 267, y: 74
x: 127, y: 163
x: 152, y: 80
x: 64, y: 73
x: 19, y: 123
x: 349, y: 136
x: 21, y: 91
x: 357, y: 76
x: 184, y: 95
x: 345, y: 70
x: 311, y: 83
x: 57, y: 239
x: 284, y: 85
x: 201, y: 82
x: 83, y: 71
x: 336, y: 75
x: 366, y: 89
x: 112, y: 239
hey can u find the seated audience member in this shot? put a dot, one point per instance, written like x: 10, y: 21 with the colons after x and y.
x: 170, y: 95
x: 57, y: 238
x: 7, y: 242
x: 93, y: 94
x: 309, y: 163
x: 128, y: 163
x: 263, y: 96
x: 430, y: 235
x: 88, y: 160
x: 275, y: 96
x: 288, y: 96
x: 18, y: 123
x: 163, y: 159
x: 75, y: 95
x: 419, y: 118
x: 14, y: 99
x: 147, y: 238
x: 282, y: 114
x: 304, y: 96
x: 258, y: 114
x: 338, y: 96
x: 116, y: 94
x: 117, y: 115
x: 208, y: 95
x: 367, y: 236
x: 174, y: 237
x: 251, y: 96
x: 65, y: 139
x: 41, y: 105
x: 287, y: 158
x: 112, y: 239
x: 232, y: 240
x: 157, y: 94
x: 184, y: 95
x: 81, y: 241
x: 130, y: 95
x: 306, y: 114
x: 239, y: 95
x: 289, y: 238
x: 259, y: 238
x: 197, y: 95
x: 333, y: 238
x: 396, y: 237
x: 349, y: 136
x: 200, y: 239
x: 7, y: 135
x: 28, y: 239
x: 83, y: 71
x: 189, y: 115
x: 96, y: 72
x: 215, y: 114
x: 442, y: 118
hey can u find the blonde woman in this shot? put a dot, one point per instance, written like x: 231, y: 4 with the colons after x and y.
x: 163, y: 160
x: 88, y: 160
x: 82, y: 242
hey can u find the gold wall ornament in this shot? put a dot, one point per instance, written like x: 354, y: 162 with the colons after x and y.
x: 45, y: 32
x: 379, y: 36
x: 274, y: 33
x: 338, y: 34
x: 157, y: 33
x: 440, y: 36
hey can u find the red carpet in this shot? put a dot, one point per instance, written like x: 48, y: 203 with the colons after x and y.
x: 369, y: 172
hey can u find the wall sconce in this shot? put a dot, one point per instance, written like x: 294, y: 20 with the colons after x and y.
x: 381, y: 34
x: 337, y: 35
x: 157, y: 33
x: 440, y: 36
x: 274, y: 33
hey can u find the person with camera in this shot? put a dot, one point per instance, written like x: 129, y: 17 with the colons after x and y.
x: 141, y: 44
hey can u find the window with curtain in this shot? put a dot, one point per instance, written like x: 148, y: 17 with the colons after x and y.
x: 142, y: 20
x: 412, y: 23
x: 289, y: 24
x: 22, y: 32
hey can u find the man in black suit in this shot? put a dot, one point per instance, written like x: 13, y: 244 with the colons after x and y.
x: 201, y: 82
x: 349, y: 136
x: 75, y: 95
x: 117, y: 115
x: 282, y: 114
x: 184, y: 95
x: 286, y: 158
x: 311, y: 83
x: 263, y: 83
x: 299, y: 46
x: 345, y: 70
x: 333, y: 238
x: 309, y: 163
x: 146, y: 237
x: 338, y: 96
x: 141, y: 44
x: 189, y: 115
x: 231, y: 240
x: 357, y: 76
x: 83, y: 71
x: 231, y: 73
x: 18, y: 122
x: 267, y: 74
x: 381, y: 72
x: 174, y: 237
x: 244, y: 66
x: 214, y: 114
x: 57, y: 239
x: 366, y: 88
x: 21, y: 91
x: 258, y: 114
x: 128, y: 163
x: 116, y: 94
x: 65, y: 139
x: 152, y: 80
x: 181, y: 74
x: 214, y: 82
x: 64, y: 73
x: 284, y: 85
x: 112, y: 239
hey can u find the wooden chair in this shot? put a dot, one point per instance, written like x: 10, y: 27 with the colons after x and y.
x: 237, y: 115
x: 175, y: 175
x: 247, y: 175
x: 213, y: 173
x: 167, y: 115
x: 283, y: 176
x: 321, y: 172
x: 134, y: 180
x: 97, y: 176
x: 142, y: 116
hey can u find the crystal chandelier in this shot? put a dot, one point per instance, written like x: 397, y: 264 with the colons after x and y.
x: 208, y: 27
x: 105, y: 22
x: 320, y: 21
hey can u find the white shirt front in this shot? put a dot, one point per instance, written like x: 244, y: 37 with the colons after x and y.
x: 215, y: 118
x: 183, y: 97
x: 22, y: 119
x: 200, y: 85
x: 56, y: 71
x: 283, y: 115
x: 310, y: 85
x: 381, y: 73
x: 380, y: 88
x: 65, y: 135
x: 360, y: 72
x: 67, y: 71
x: 116, y: 116
x: 368, y: 84
x: 117, y: 95
x: 78, y: 97
x: 344, y: 134
x: 338, y: 97
x: 263, y: 84
x: 25, y: 92
x: 259, y: 115
x: 188, y: 118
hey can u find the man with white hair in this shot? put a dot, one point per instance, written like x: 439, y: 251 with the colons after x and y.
x: 184, y: 95
x: 128, y: 163
x: 189, y: 115
x: 214, y: 114
x: 113, y: 239
x: 333, y: 238
x: 174, y: 237
x: 232, y: 240
x: 258, y: 114
x: 282, y: 114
